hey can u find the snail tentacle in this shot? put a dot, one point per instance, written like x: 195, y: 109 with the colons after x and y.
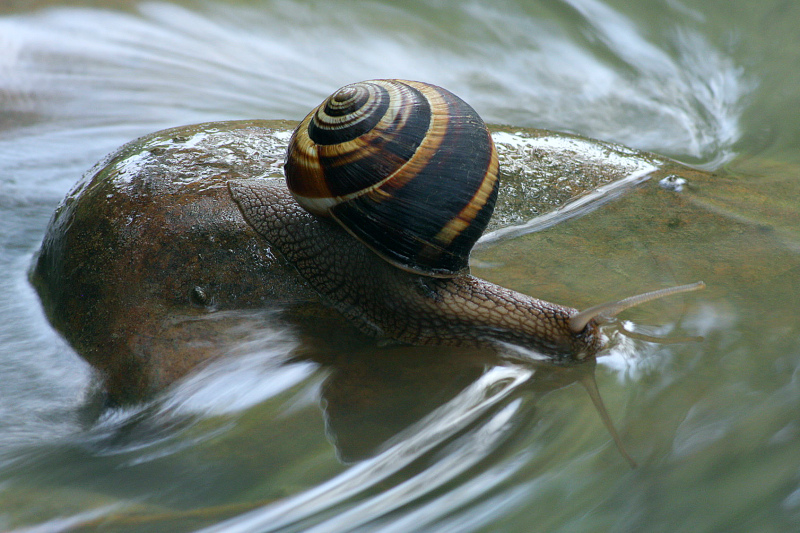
x: 604, y: 312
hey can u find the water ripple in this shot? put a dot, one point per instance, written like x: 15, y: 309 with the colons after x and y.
x: 482, y: 401
x: 167, y: 65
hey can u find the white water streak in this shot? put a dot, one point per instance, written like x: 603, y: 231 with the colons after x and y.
x: 430, y: 432
x: 170, y: 65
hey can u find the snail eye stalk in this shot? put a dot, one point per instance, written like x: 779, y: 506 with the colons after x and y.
x: 604, y: 312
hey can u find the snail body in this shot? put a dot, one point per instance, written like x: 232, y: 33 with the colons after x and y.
x: 388, y: 186
x: 178, y: 226
x: 410, y: 171
x: 389, y: 302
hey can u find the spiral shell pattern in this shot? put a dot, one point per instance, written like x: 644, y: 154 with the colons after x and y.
x: 408, y: 168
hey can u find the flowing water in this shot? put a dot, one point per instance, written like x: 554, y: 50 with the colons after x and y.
x: 404, y: 440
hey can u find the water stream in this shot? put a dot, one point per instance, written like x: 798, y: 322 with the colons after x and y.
x: 261, y: 441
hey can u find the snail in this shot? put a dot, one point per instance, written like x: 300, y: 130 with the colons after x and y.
x: 389, y: 184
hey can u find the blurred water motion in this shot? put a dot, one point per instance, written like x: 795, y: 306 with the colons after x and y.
x: 285, y: 436
x: 590, y: 70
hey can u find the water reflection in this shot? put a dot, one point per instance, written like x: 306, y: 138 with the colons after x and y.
x: 417, y: 420
x: 409, y: 423
x: 714, y: 423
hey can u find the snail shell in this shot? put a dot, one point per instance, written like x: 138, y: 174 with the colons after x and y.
x: 407, y: 168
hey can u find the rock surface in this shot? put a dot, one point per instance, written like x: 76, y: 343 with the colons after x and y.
x: 148, y: 261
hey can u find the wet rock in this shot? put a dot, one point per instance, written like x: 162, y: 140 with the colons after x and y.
x: 148, y: 261
x: 150, y: 242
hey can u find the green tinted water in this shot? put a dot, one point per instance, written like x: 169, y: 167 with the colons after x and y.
x: 258, y: 443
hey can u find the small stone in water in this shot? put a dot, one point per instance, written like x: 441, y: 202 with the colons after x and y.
x: 673, y: 183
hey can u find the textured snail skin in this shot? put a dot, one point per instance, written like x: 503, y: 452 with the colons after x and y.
x: 388, y: 302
